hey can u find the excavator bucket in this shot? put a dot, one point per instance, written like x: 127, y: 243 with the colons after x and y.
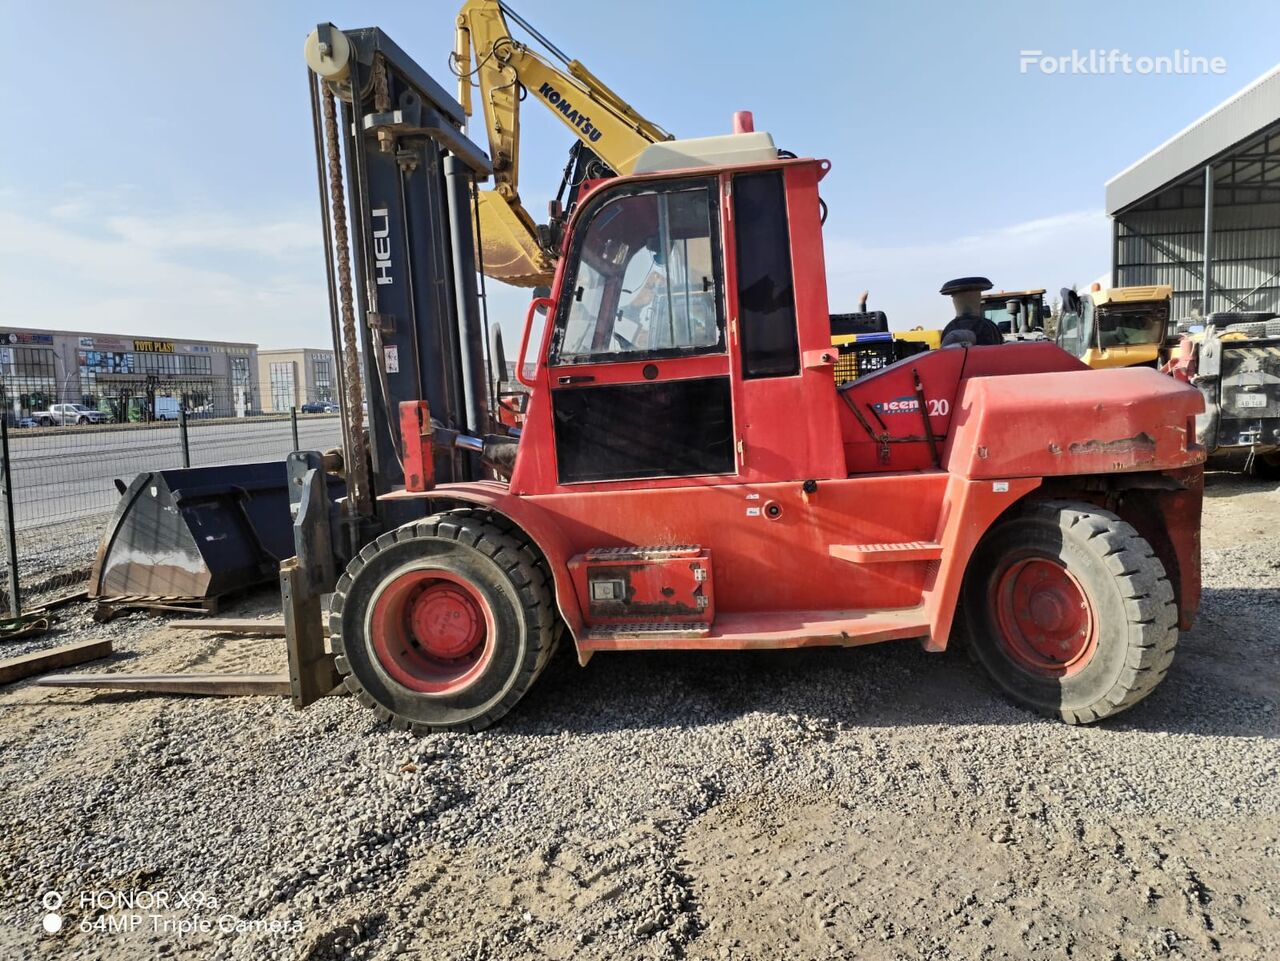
x: 506, y: 244
x: 188, y: 536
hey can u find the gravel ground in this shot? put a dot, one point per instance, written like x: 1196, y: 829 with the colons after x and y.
x: 871, y: 803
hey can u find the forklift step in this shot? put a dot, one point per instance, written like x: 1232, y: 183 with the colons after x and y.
x: 606, y: 633
x: 884, y: 553
x: 759, y: 630
x: 660, y: 552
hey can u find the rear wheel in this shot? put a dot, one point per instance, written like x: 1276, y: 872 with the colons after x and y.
x: 1070, y: 611
x: 442, y: 624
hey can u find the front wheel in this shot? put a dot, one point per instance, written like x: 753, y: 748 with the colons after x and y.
x: 443, y: 623
x: 1070, y: 611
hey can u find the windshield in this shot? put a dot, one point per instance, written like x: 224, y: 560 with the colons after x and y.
x: 1141, y: 324
x: 997, y: 311
x: 999, y: 315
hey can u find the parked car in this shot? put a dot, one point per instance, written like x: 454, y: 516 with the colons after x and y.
x: 61, y: 414
x: 319, y: 407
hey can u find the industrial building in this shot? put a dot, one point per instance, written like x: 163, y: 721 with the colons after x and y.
x: 122, y: 375
x: 1202, y: 211
x: 292, y: 377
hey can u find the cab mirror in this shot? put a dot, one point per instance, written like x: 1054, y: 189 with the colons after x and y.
x: 497, y: 355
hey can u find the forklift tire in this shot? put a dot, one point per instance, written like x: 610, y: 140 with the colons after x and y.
x: 442, y: 624
x: 1070, y: 611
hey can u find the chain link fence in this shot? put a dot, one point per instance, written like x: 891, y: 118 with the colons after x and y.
x: 63, y: 462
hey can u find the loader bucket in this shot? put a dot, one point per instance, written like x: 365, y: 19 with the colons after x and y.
x: 196, y: 533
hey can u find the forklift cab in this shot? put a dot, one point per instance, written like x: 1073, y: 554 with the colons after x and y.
x: 677, y: 335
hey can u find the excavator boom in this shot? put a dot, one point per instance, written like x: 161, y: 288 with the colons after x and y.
x: 505, y: 71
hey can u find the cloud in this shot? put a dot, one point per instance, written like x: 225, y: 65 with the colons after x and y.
x: 84, y: 264
x: 216, y: 232
x: 1050, y: 252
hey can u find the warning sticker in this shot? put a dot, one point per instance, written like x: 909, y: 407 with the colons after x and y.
x: 391, y: 359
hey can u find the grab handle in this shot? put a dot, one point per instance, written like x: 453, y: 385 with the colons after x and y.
x: 524, y: 340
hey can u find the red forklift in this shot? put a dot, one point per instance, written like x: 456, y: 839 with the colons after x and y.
x: 688, y: 474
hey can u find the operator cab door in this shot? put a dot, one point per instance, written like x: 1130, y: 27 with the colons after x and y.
x: 639, y: 371
x: 1075, y: 324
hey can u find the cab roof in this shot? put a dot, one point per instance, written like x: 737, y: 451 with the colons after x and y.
x: 725, y: 150
x: 1131, y: 295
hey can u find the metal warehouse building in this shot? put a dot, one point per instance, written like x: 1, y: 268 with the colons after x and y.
x: 1202, y: 211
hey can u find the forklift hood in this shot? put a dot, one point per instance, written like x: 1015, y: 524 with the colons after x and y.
x: 1073, y: 422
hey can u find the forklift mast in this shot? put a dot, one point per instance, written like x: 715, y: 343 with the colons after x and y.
x: 409, y: 177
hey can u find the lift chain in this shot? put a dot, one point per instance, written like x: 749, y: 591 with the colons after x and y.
x: 382, y: 101
x: 357, y: 457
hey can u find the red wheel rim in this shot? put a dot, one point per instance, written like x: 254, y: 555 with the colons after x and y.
x: 432, y: 631
x: 1045, y: 617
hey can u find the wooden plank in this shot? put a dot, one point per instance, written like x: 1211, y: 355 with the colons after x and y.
x: 16, y: 668
x: 215, y: 685
x: 231, y: 625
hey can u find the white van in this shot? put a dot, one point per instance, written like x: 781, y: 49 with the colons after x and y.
x: 168, y: 408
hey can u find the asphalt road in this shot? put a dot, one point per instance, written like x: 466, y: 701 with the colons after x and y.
x: 67, y: 474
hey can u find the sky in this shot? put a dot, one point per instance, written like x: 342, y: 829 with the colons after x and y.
x: 157, y: 172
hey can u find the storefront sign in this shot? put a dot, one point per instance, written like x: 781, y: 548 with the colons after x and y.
x: 104, y: 343
x: 154, y: 346
x: 26, y: 338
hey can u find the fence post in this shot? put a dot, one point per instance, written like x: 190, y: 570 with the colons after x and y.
x: 293, y: 422
x: 182, y: 435
x: 15, y: 603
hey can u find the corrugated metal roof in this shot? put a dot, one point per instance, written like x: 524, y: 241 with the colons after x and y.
x: 1233, y: 120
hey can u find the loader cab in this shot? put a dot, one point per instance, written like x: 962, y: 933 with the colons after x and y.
x: 676, y: 342
x: 1116, y: 327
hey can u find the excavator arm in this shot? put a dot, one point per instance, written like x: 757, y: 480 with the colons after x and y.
x: 505, y: 71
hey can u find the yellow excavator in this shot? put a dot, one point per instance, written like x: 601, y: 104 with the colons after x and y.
x: 610, y: 135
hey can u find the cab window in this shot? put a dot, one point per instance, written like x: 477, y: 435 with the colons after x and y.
x: 1119, y: 327
x: 644, y: 279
